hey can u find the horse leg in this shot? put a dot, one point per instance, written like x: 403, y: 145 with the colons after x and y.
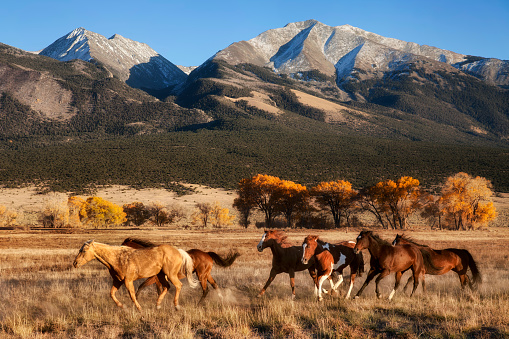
x: 114, y: 287
x: 382, y: 275
x: 320, y: 283
x: 212, y: 282
x: 292, y: 282
x: 164, y: 288
x: 408, y: 283
x: 149, y: 282
x: 178, y: 286
x: 352, y: 280
x: 396, y: 285
x: 416, y: 276
x: 272, y: 275
x: 204, y: 287
x: 372, y: 273
x: 130, y: 287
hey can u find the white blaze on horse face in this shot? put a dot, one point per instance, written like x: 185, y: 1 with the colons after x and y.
x: 304, y: 260
x: 260, y: 244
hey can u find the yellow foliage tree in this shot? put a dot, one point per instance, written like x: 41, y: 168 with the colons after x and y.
x: 99, y: 212
x: 467, y: 201
x: 75, y: 205
x: 220, y: 217
x: 338, y: 196
x: 291, y: 198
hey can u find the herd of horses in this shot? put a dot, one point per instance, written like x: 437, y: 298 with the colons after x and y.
x: 161, y: 264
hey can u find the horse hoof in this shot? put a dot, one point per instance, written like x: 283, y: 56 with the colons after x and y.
x: 158, y: 307
x: 177, y: 307
x: 293, y: 296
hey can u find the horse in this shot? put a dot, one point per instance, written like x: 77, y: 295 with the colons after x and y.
x: 330, y: 258
x: 450, y: 259
x: 285, y: 258
x: 386, y: 258
x: 202, y: 265
x: 127, y: 264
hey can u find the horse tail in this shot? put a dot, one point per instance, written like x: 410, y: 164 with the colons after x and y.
x: 224, y: 262
x: 360, y: 266
x: 187, y: 268
x: 476, y: 275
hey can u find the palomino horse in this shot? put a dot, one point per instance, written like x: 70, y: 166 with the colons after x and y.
x: 330, y: 258
x: 202, y: 265
x: 285, y: 258
x: 386, y: 258
x: 450, y: 259
x: 127, y: 264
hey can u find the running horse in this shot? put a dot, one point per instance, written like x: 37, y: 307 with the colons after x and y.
x: 386, y: 259
x: 127, y: 264
x: 450, y: 259
x: 285, y: 258
x: 202, y: 265
x: 331, y: 258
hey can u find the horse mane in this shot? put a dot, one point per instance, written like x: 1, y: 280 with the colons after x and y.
x: 411, y: 240
x: 321, y: 242
x: 141, y: 242
x: 281, y: 238
x: 380, y: 240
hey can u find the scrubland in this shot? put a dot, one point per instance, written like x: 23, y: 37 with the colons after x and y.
x: 43, y: 296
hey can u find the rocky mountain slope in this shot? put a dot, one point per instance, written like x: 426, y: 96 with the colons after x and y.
x: 133, y: 62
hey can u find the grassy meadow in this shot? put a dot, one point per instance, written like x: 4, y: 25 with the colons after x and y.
x: 43, y: 296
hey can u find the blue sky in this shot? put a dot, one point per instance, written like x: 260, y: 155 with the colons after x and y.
x: 187, y: 32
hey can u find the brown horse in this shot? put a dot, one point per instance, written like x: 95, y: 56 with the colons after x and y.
x: 202, y: 265
x: 285, y: 258
x: 386, y: 258
x: 450, y: 259
x: 330, y: 258
x: 127, y: 264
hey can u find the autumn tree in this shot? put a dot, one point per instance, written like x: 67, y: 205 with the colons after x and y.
x: 244, y: 207
x: 7, y: 216
x: 161, y: 215
x: 220, y: 216
x: 55, y: 213
x: 392, y: 202
x: 97, y: 211
x: 467, y: 201
x: 336, y: 196
x: 74, y: 206
x: 202, y: 213
x: 136, y: 213
x: 260, y: 191
x: 291, y: 198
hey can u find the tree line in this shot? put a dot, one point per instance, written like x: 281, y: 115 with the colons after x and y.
x: 463, y: 202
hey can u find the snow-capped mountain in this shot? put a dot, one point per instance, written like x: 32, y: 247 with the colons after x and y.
x: 133, y: 62
x: 343, y: 51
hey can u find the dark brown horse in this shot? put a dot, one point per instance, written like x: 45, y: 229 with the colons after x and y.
x: 202, y: 265
x: 285, y: 258
x: 450, y: 259
x: 386, y: 258
x: 340, y: 256
x: 127, y: 264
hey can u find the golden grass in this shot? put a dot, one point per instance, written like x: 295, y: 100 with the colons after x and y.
x: 43, y: 296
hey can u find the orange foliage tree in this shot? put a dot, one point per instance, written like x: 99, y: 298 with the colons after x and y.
x: 337, y: 196
x: 392, y: 202
x: 136, y: 213
x: 290, y: 199
x: 260, y: 191
x: 466, y: 201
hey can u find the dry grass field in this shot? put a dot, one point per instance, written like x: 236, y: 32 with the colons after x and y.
x: 43, y: 296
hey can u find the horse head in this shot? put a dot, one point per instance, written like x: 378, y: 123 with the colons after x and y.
x: 309, y: 248
x: 261, y: 245
x: 85, y: 254
x: 362, y: 241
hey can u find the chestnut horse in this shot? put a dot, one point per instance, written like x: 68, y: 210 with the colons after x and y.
x: 386, y: 258
x: 127, y: 264
x: 202, y: 265
x: 330, y: 258
x: 450, y: 259
x: 285, y: 258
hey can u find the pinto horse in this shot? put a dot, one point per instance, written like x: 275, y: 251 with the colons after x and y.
x: 450, y: 259
x: 386, y: 258
x: 127, y: 264
x: 285, y: 258
x: 330, y: 258
x: 202, y: 265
